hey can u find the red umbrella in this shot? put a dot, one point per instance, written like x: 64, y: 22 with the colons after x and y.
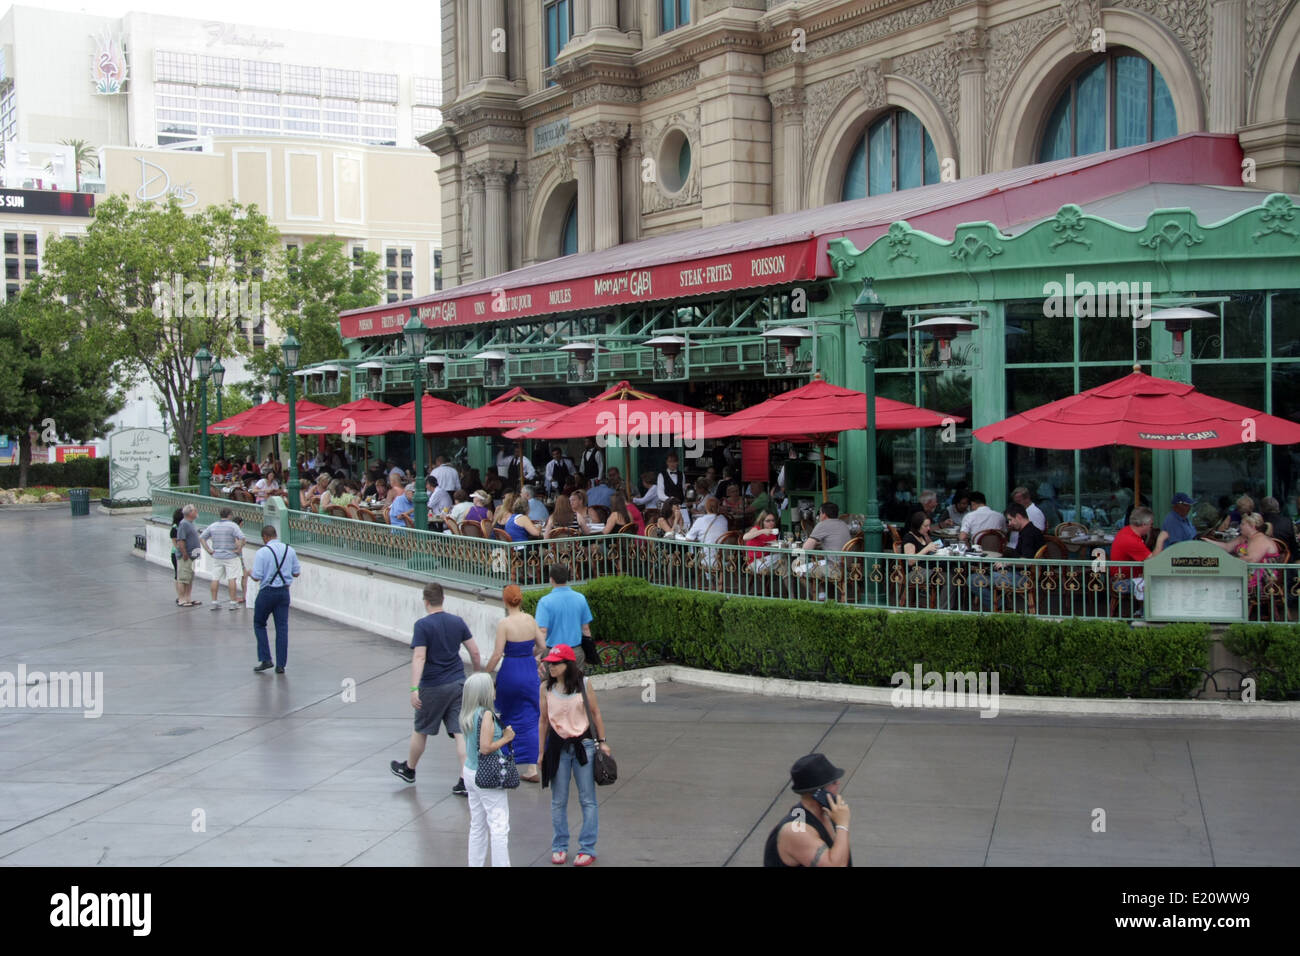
x: 515, y: 409
x: 271, y: 416
x: 1142, y: 412
x: 819, y: 410
x: 621, y: 411
x: 432, y: 412
x: 365, y: 415
x: 230, y: 425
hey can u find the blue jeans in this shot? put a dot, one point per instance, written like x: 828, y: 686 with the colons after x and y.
x: 998, y: 579
x: 272, y: 601
x: 586, y: 797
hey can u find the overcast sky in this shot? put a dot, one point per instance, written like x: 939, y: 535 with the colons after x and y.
x: 403, y: 20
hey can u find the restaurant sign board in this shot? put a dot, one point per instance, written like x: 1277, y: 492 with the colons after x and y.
x: 138, y: 462
x: 1195, y: 581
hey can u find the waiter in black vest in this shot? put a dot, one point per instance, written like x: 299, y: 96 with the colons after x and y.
x: 816, y: 830
x: 672, y: 483
x: 519, y: 468
x: 592, y: 462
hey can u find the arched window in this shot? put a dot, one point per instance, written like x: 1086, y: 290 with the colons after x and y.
x: 896, y: 152
x: 1116, y: 100
x: 569, y: 234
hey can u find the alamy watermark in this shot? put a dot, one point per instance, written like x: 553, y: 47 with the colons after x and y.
x: 74, y: 690
x: 211, y: 300
x: 950, y: 689
x: 635, y: 428
x: 1098, y: 300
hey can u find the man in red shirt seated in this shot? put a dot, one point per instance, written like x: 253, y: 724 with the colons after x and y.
x: 1130, y: 545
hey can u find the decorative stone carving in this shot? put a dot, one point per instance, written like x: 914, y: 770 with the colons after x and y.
x: 604, y: 136
x: 823, y: 99
x: 935, y: 68
x: 871, y: 77
x: 787, y: 103
x: 673, y: 84
x: 538, y: 168
x: 863, y: 34
x: 1009, y: 44
x: 506, y: 135
x: 496, y: 172
x: 1068, y: 224
x: 1278, y: 211
x: 654, y: 198
x: 971, y: 48
x: 605, y: 93
x: 1082, y: 17
x: 1189, y: 21
x: 899, y: 239
x: 1261, y: 17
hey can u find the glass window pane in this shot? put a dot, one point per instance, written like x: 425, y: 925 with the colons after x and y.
x: 552, y: 35
x: 855, y: 176
x: 569, y: 239
x: 668, y: 13
x: 684, y: 7
x: 1165, y: 118
x: 1222, y: 474
x: 684, y: 161
x: 894, y: 338
x: 1106, y: 485
x: 1090, y: 97
x: 566, y: 21
x: 931, y: 161
x: 909, y: 150
x: 1286, y: 325
x: 1056, y: 138
x: 1034, y: 337
x: 1132, y: 97
x: 1106, y: 339
x: 1286, y: 458
x: 1243, y: 327
x: 880, y: 145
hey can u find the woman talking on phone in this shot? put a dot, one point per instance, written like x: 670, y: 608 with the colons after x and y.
x: 816, y: 830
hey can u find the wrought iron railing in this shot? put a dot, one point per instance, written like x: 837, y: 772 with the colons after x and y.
x: 166, y: 501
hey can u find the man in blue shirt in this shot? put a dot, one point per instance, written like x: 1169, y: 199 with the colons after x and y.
x: 403, y: 505
x: 437, y: 677
x: 599, y: 494
x: 1177, y: 524
x: 563, y: 615
x: 274, y: 569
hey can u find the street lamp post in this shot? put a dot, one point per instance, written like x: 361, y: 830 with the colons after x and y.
x: 219, y: 376
x: 273, y: 379
x: 291, y: 349
x: 414, y: 332
x: 869, y: 312
x: 203, y: 358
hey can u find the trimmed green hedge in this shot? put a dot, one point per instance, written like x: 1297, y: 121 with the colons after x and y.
x: 80, y: 472
x: 834, y: 643
x: 1271, y: 647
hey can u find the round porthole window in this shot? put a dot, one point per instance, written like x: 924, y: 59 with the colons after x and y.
x: 674, y: 161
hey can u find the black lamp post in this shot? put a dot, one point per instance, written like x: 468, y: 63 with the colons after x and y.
x: 203, y: 358
x: 273, y: 379
x: 869, y: 312
x: 415, y: 332
x: 219, y: 376
x: 291, y: 350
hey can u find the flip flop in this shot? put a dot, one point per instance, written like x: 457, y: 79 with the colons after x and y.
x: 559, y: 857
x: 193, y: 604
x: 584, y: 859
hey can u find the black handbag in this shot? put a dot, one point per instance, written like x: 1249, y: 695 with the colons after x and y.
x: 603, y: 767
x: 497, y: 770
x: 590, y: 652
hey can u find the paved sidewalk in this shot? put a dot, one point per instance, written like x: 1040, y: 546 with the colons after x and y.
x: 281, y: 771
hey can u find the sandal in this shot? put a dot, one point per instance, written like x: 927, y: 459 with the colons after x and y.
x: 558, y: 857
x: 584, y: 859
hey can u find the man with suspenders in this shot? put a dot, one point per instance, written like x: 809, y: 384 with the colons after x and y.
x: 274, y: 568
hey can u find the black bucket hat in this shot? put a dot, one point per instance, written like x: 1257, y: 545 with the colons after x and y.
x: 811, y: 772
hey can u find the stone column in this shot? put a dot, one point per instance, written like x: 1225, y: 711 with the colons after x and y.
x: 604, y: 14
x: 604, y: 139
x: 787, y: 109
x: 581, y: 17
x: 1228, y: 66
x: 477, y: 217
x: 474, y: 49
x: 971, y: 47
x: 496, y: 223
x: 579, y: 153
x: 518, y: 217
x: 632, y: 154
x: 494, y: 18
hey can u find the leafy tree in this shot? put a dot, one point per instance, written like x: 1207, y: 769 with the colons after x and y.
x: 148, y: 285
x: 67, y: 380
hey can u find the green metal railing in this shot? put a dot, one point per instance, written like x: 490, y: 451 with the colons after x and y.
x: 955, y: 584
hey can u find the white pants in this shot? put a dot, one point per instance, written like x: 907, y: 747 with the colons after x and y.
x: 489, y: 810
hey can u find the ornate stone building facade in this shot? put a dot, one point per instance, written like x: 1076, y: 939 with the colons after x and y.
x: 572, y: 137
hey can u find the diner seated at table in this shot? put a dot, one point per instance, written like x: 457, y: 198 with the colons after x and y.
x: 1253, y: 546
x: 1245, y: 506
x: 1131, y: 545
x: 618, y: 515
x: 828, y: 534
x: 563, y: 516
x: 733, y: 505
x: 402, y: 505
x: 536, y: 506
x: 759, y: 499
x: 439, y: 500
x: 312, y: 492
x: 587, y: 522
x: 598, y: 493
x: 460, y: 505
x: 916, y: 539
x: 672, y: 518
x: 957, y: 511
x: 265, y: 486
x: 1029, y: 540
x: 480, y: 506
x: 1177, y: 525
x: 650, y: 488
x: 1283, y: 528
x: 709, y: 528
x: 505, y: 509
x: 979, y: 518
x: 765, y: 534
x: 494, y: 487
x: 1022, y: 497
x: 376, y: 490
x: 519, y: 526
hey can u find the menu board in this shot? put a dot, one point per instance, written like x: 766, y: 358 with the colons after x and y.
x: 1187, y: 598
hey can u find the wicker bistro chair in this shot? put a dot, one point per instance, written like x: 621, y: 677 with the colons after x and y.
x: 451, y: 524
x: 337, y: 511
x: 991, y: 540
x: 853, y: 571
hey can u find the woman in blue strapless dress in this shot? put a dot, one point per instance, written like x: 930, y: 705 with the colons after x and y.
x: 519, y: 644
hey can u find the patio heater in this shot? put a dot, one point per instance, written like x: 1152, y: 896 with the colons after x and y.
x: 669, y: 348
x: 494, y: 368
x: 436, y: 368
x: 292, y: 349
x: 582, y: 368
x: 790, y: 338
x: 203, y: 359
x: 414, y: 333
x: 869, y: 312
x: 945, y: 328
x: 1178, y: 320
x: 374, y: 375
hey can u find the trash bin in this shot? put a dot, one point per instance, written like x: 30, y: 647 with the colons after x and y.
x: 80, y: 499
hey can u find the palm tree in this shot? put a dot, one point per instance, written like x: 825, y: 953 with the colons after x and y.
x: 83, y: 154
